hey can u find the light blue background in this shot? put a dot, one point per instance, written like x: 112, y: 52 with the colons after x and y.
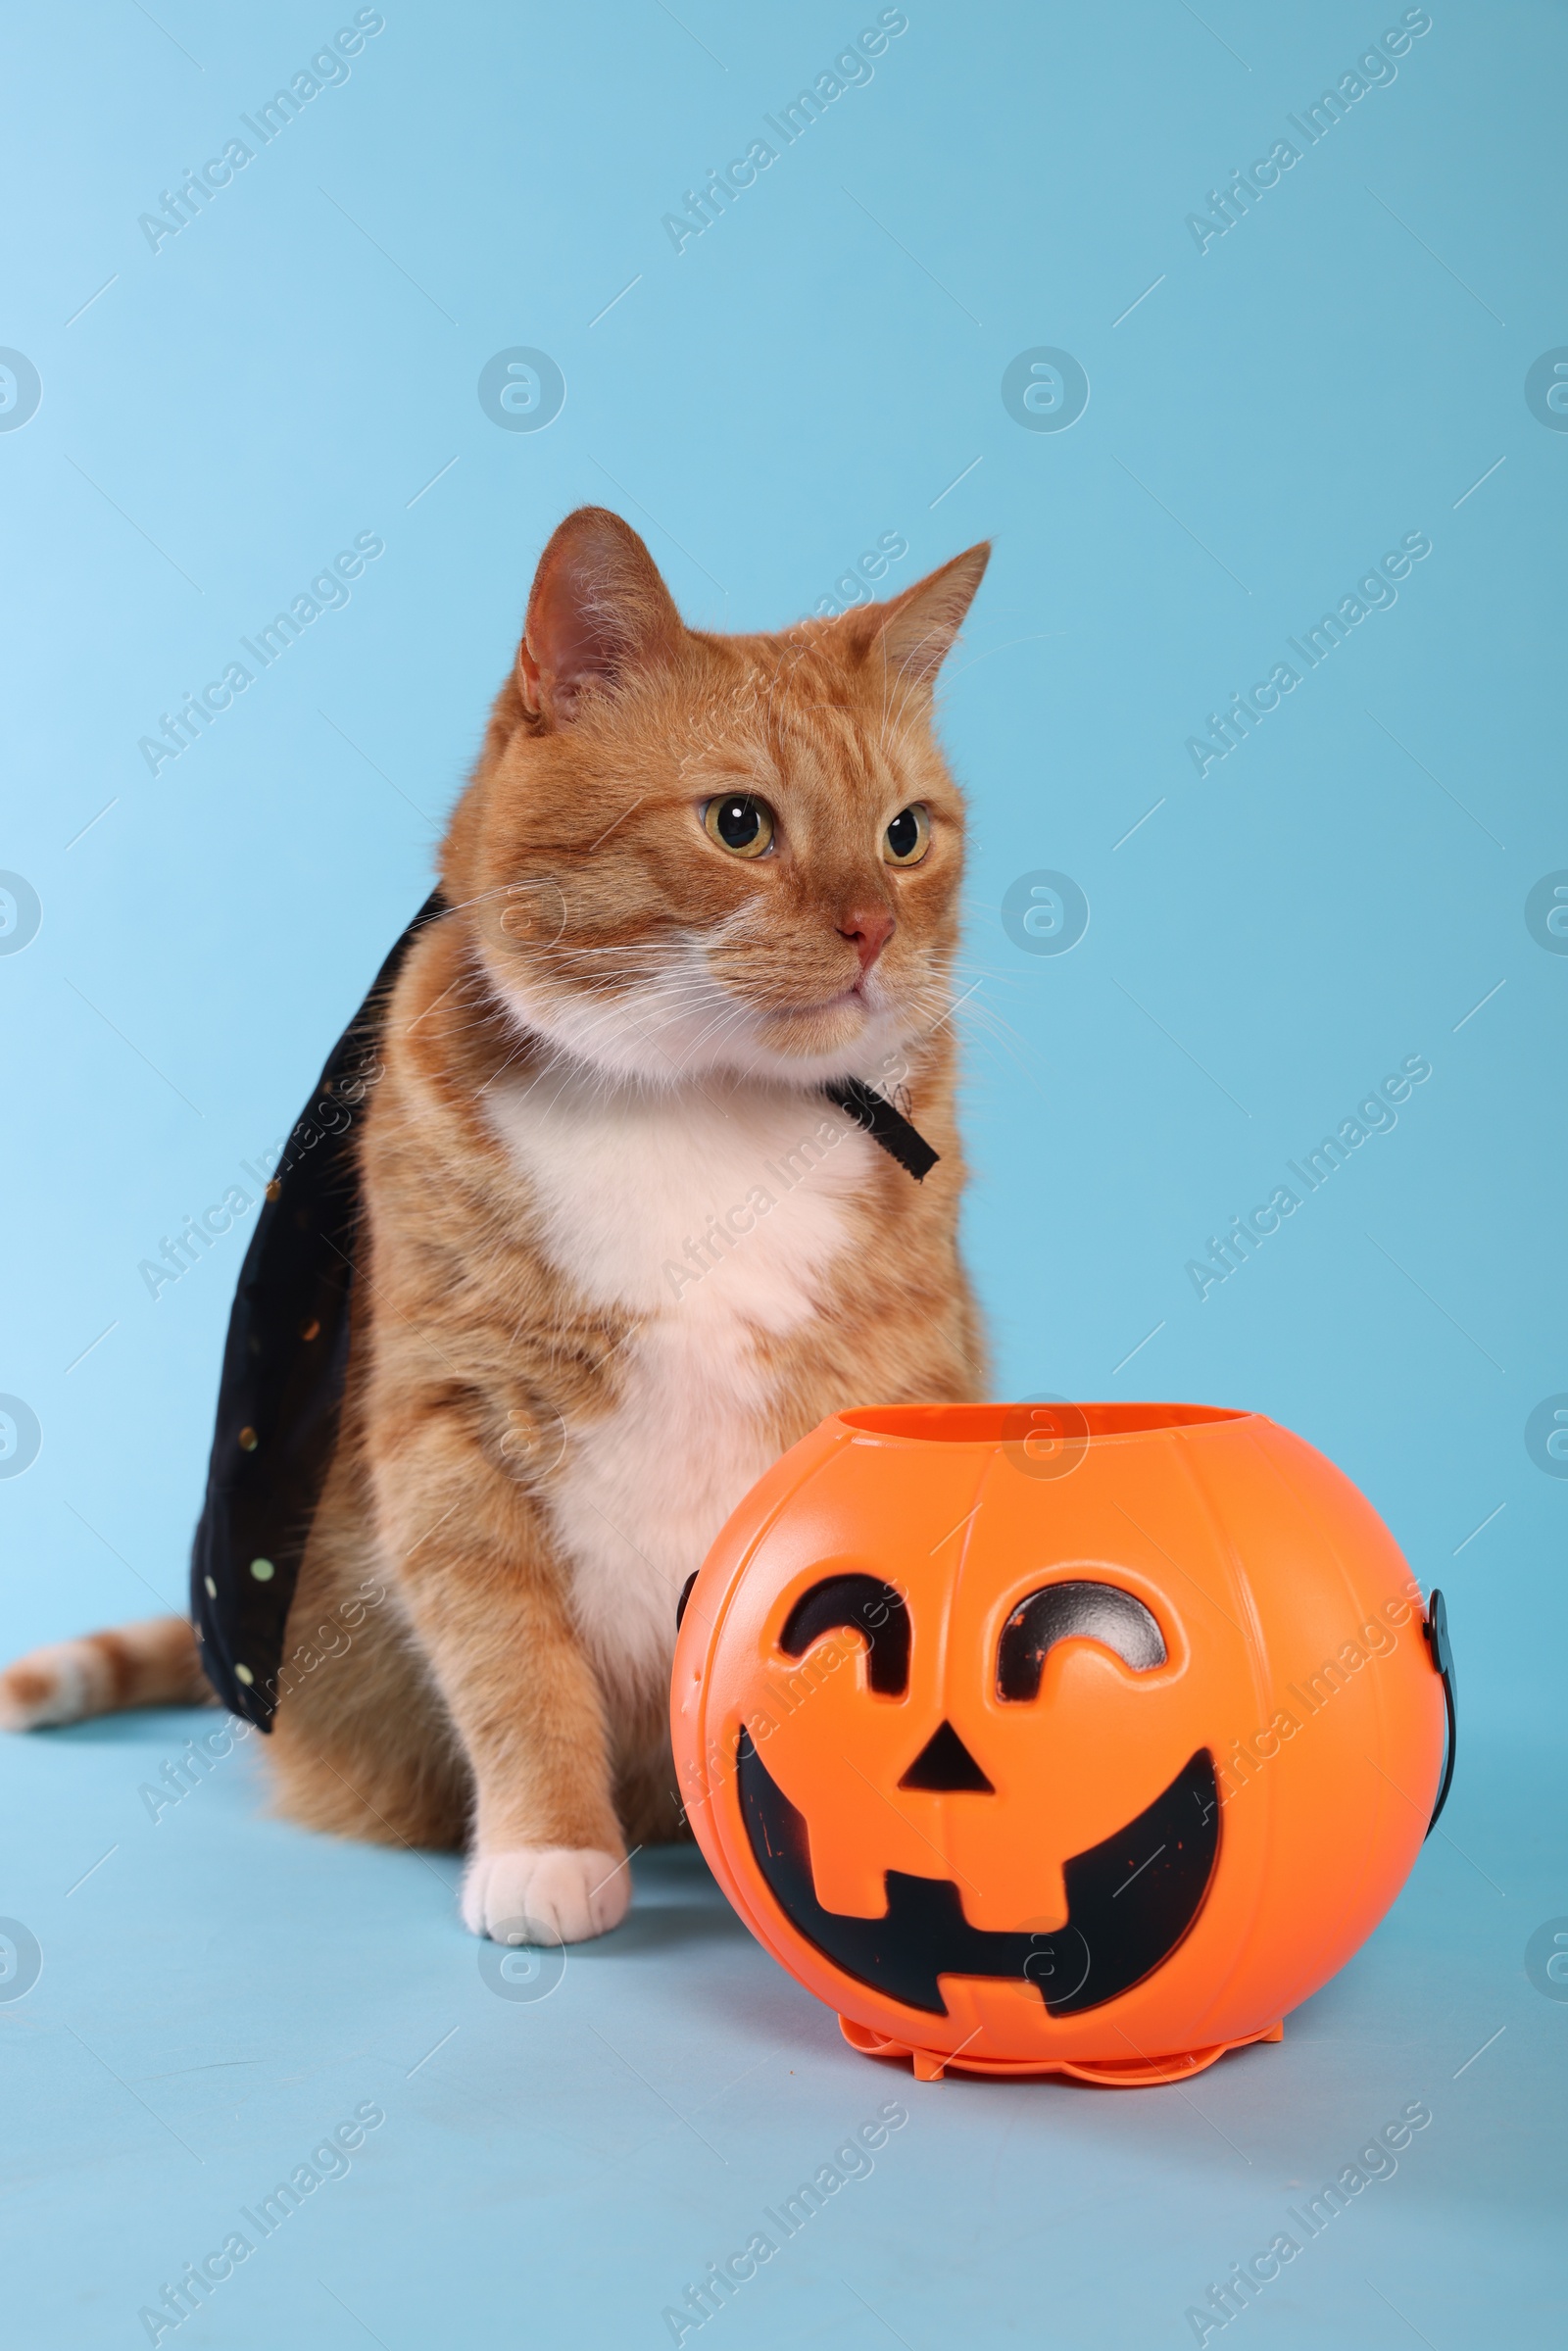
x: 297, y: 365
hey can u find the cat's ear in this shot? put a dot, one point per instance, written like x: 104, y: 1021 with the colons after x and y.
x: 597, y: 611
x: 911, y: 635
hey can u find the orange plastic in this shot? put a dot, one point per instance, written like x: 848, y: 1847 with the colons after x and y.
x: 1294, y: 1658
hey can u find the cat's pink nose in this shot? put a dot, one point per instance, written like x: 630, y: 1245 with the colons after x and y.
x: 869, y: 930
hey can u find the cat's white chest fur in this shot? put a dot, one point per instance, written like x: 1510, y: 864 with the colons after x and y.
x: 712, y: 1216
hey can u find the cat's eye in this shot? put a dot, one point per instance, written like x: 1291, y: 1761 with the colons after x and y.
x: 907, y: 837
x: 739, y: 823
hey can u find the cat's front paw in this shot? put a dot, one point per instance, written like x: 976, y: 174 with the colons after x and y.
x: 544, y: 1893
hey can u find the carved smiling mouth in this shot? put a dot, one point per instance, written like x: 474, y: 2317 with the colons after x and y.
x: 1130, y: 1901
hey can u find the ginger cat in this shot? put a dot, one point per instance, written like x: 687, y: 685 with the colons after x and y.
x: 619, y: 1249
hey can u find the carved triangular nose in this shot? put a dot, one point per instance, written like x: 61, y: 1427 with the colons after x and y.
x: 945, y: 1765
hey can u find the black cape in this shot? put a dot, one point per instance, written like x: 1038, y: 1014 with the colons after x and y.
x: 281, y: 1392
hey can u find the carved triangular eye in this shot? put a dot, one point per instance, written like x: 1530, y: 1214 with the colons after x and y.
x: 946, y: 1767
x: 1077, y: 1611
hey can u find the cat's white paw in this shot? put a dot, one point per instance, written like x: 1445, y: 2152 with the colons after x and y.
x: 544, y: 1893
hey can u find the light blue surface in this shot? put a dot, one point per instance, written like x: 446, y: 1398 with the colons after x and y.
x: 822, y: 366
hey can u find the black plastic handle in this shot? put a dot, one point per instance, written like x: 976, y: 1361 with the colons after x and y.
x: 1436, y: 1629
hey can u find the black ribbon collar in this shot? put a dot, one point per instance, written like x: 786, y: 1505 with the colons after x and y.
x: 885, y: 1125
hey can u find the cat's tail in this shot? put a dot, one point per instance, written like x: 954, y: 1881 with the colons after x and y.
x: 154, y: 1663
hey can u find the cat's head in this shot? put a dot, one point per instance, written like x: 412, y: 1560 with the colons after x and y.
x: 685, y: 853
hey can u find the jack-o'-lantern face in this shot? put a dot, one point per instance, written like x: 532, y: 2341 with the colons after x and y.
x: 1124, y: 1903
x: 1056, y: 1756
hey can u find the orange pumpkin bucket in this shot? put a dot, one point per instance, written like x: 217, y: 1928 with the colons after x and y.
x: 1079, y: 1739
